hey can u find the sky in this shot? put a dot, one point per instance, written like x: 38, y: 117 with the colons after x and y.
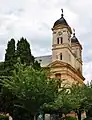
x: 33, y: 20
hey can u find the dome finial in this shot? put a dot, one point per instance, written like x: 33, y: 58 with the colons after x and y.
x: 62, y: 13
x: 73, y: 32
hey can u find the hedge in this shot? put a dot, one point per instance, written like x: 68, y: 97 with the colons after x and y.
x: 3, y: 117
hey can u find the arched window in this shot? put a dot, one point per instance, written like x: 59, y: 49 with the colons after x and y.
x: 61, y: 39
x: 58, y: 76
x: 60, y: 56
x: 57, y: 40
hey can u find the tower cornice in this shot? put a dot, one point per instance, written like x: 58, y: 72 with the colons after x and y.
x: 67, y: 46
x: 59, y: 26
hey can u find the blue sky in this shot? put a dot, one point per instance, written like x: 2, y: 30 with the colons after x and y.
x: 33, y: 19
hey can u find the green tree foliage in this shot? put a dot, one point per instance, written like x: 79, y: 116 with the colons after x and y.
x: 6, y: 70
x: 83, y: 95
x: 21, y: 114
x: 3, y: 117
x: 24, y: 53
x: 79, y: 98
x: 1, y: 68
x: 70, y: 98
x: 70, y: 118
x: 7, y: 105
x: 6, y: 101
x: 10, y: 51
x: 31, y: 87
x: 88, y: 101
x: 10, y: 58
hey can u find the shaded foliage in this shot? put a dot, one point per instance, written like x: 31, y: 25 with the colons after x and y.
x: 24, y: 53
x: 10, y: 58
x: 70, y: 98
x: 2, y: 117
x: 6, y: 101
x: 32, y: 88
x: 21, y: 114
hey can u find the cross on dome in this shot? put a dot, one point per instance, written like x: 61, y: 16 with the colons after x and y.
x: 62, y: 13
x: 73, y: 32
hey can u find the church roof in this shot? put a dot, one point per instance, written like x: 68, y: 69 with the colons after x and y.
x: 74, y: 39
x: 61, y: 21
x: 44, y: 60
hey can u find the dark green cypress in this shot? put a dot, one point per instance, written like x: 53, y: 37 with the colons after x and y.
x: 10, y: 57
x: 10, y: 51
x: 24, y: 52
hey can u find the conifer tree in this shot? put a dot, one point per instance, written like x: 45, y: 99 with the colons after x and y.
x: 24, y: 53
x: 10, y: 57
x: 10, y: 51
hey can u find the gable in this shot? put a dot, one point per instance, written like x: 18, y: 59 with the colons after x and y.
x: 57, y: 63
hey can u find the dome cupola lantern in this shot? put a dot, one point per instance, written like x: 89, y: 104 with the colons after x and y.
x: 74, y: 38
x: 61, y: 22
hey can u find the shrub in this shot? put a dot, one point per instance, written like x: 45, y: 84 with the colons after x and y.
x: 3, y: 117
x: 70, y: 118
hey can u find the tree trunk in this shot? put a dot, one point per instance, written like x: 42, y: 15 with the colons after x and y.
x: 79, y: 115
x: 34, y: 116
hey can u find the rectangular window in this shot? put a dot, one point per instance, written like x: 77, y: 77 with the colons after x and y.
x: 60, y: 56
x: 61, y: 40
x: 57, y: 40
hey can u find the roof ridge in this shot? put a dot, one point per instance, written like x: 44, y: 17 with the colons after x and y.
x: 43, y: 56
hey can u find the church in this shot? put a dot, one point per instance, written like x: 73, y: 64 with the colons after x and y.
x: 65, y: 63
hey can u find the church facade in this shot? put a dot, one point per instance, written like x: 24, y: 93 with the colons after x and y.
x: 65, y: 63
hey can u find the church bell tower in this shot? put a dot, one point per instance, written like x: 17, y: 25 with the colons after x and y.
x: 66, y: 54
x: 61, y: 42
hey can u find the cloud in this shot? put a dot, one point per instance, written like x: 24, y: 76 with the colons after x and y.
x: 34, y: 19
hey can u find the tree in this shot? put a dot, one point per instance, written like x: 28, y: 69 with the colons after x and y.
x: 10, y: 51
x: 79, y: 94
x: 6, y: 70
x: 84, y: 97
x: 32, y: 87
x: 70, y: 98
x: 21, y: 114
x: 6, y: 101
x: 10, y: 57
x: 88, y: 101
x: 1, y: 68
x: 24, y: 53
x: 7, y: 105
x: 61, y: 104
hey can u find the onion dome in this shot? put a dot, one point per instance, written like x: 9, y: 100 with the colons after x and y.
x: 62, y: 21
x: 74, y: 38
